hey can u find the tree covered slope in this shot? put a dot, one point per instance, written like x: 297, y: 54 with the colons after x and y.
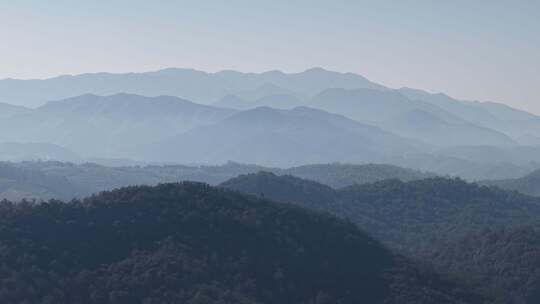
x: 191, y: 243
x: 414, y: 217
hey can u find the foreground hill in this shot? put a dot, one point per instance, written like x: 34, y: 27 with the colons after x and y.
x: 46, y: 180
x: 190, y: 243
x: 411, y: 216
x: 468, y: 231
x: 528, y: 184
x: 504, y: 260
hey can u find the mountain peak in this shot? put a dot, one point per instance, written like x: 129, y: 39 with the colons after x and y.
x: 318, y: 70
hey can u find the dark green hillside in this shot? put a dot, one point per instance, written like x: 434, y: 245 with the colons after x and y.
x: 411, y: 216
x: 420, y: 215
x: 506, y: 261
x: 437, y: 220
x: 342, y: 175
x: 191, y: 243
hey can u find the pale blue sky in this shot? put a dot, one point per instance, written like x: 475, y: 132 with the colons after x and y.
x: 484, y: 50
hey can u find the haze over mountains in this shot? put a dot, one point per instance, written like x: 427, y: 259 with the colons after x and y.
x: 528, y: 184
x: 381, y: 158
x: 316, y: 116
x: 201, y: 87
x: 50, y: 179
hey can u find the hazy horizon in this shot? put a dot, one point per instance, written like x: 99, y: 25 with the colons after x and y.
x: 277, y: 152
x: 266, y: 71
x: 486, y: 50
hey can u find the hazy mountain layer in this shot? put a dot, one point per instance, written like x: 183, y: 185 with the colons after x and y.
x: 185, y: 83
x: 528, y: 184
x: 11, y: 151
x: 416, y: 119
x: 522, y: 126
x: 283, y: 138
x: 278, y: 101
x: 260, y: 122
x: 46, y: 180
x: 8, y: 110
x: 109, y: 126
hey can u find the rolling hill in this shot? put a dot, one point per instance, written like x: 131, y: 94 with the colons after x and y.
x: 277, y: 101
x: 473, y: 233
x: 8, y: 110
x: 31, y: 179
x: 504, y: 261
x: 412, y: 217
x: 262, y: 135
x: 14, y: 152
x: 191, y: 243
x: 415, y: 119
x: 109, y: 126
x: 528, y: 184
x: 342, y: 175
x: 522, y: 126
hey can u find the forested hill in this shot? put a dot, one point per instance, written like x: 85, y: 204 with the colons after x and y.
x: 191, y: 243
x: 412, y: 216
x: 506, y: 261
x: 341, y: 175
x: 436, y: 220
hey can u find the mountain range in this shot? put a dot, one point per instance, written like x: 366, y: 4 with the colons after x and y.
x: 462, y: 232
x: 316, y: 116
x: 201, y: 87
x: 261, y: 136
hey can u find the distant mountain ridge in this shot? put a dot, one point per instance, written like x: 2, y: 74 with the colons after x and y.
x: 319, y: 116
x: 12, y: 151
x: 9, y: 110
x: 261, y: 136
x: 415, y: 118
x: 202, y: 87
x: 127, y: 126
x: 109, y: 126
